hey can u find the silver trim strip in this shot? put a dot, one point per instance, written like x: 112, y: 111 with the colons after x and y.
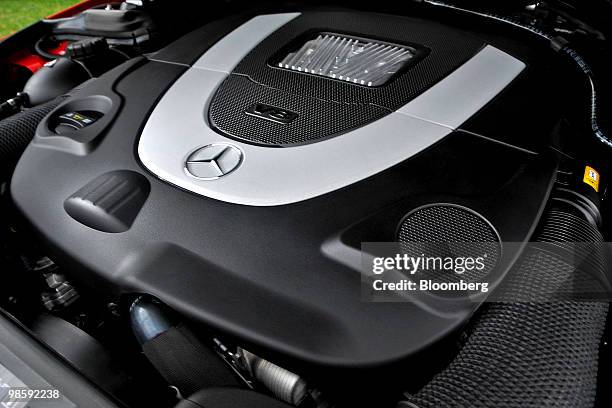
x: 227, y: 53
x: 459, y: 96
x: 279, y: 176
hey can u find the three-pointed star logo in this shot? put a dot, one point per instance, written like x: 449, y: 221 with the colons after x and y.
x: 213, y: 161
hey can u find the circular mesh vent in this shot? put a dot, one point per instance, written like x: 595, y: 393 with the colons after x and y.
x: 446, y: 231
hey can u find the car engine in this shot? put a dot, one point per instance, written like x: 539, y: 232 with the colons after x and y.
x: 201, y: 207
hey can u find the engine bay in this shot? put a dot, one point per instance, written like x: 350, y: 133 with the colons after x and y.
x: 201, y: 212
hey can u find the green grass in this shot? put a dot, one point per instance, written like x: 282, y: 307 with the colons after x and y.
x: 17, y: 14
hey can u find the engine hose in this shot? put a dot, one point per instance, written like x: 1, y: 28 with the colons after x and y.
x: 557, y: 45
x: 38, y: 47
x: 177, y: 354
x: 17, y: 131
x: 535, y: 353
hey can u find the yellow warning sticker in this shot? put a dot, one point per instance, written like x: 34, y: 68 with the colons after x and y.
x: 591, y: 177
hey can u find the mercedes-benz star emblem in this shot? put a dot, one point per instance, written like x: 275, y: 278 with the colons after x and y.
x: 213, y: 161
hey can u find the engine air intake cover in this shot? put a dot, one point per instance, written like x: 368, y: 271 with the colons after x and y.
x: 359, y: 61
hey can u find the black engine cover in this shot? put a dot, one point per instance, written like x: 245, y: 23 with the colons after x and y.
x: 273, y: 276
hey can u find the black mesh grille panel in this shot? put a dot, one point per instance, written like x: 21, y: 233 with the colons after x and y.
x: 524, y: 354
x: 449, y: 231
x: 316, y: 119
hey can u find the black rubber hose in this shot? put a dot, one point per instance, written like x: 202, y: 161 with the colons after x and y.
x: 178, y: 355
x: 17, y: 131
x: 38, y: 47
x: 532, y: 353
